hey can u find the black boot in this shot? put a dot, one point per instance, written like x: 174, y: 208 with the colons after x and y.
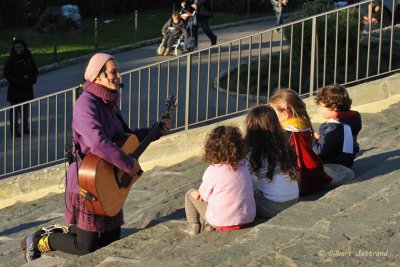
x: 29, y: 246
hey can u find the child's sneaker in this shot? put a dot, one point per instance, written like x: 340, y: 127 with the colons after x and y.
x: 190, y: 229
x: 208, y: 228
x: 166, y: 52
x: 161, y: 51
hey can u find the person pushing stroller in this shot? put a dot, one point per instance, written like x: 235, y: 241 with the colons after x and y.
x: 172, y: 28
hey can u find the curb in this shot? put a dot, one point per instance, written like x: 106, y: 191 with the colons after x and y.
x: 159, y: 154
x: 72, y: 61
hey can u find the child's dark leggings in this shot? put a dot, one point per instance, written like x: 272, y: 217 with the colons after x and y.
x: 169, y: 40
x: 81, y: 242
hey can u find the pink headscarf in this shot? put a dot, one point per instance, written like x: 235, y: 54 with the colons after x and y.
x: 95, y: 65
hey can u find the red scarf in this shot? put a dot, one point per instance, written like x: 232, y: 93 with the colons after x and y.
x: 312, y: 174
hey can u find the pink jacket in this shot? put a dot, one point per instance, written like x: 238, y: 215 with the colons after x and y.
x: 229, y: 195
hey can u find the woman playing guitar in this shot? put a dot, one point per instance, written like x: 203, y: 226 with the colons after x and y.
x: 96, y: 120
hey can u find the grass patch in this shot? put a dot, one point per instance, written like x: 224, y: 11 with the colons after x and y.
x: 117, y: 32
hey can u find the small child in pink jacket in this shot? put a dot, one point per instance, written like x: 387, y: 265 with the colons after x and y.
x: 225, y: 199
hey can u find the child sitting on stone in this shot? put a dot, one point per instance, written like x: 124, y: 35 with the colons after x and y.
x: 336, y: 141
x: 225, y: 199
x: 292, y: 114
x: 273, y: 162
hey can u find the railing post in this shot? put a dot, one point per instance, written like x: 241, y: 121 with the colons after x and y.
x: 74, y: 96
x: 96, y: 36
x: 136, y: 26
x: 187, y: 98
x: 313, y: 44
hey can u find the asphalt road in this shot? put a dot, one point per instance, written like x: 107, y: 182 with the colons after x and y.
x: 142, y: 105
x: 71, y: 76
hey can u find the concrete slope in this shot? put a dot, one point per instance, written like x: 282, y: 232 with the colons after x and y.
x: 354, y: 224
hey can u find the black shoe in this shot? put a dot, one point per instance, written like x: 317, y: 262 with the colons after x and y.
x: 30, y: 248
x: 214, y: 41
x: 17, y: 134
x: 27, y: 131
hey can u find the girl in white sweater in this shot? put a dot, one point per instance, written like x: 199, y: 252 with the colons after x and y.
x: 272, y: 160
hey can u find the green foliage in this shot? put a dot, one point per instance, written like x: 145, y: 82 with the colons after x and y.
x: 332, y: 64
x: 17, y: 13
x: 240, y: 6
x: 370, y: 62
x: 118, y: 32
x: 333, y: 32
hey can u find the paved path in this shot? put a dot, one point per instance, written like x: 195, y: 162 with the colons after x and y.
x: 71, y: 76
x: 47, y: 141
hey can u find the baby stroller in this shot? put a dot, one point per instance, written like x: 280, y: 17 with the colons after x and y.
x: 182, y: 45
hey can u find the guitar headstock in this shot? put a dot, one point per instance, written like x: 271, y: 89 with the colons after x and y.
x: 170, y: 104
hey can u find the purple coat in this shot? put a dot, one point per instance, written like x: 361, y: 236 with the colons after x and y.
x: 94, y: 124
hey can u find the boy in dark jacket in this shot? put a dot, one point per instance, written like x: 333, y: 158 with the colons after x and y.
x: 336, y: 141
x: 173, y: 27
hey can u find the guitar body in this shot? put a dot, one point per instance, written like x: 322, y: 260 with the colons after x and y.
x: 104, y: 187
x: 98, y: 181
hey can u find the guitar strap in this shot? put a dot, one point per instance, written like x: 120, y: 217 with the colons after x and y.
x: 119, y: 116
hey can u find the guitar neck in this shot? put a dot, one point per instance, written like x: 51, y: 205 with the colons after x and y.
x: 154, y: 134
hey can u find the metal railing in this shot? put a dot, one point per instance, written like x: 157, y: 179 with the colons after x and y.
x: 218, y: 82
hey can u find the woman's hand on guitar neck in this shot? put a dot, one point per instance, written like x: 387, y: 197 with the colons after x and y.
x: 136, y: 169
x: 166, y: 126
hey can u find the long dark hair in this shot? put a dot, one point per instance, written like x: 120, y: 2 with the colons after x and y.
x: 267, y: 140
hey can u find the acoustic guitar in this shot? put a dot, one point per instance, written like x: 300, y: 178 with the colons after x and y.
x: 105, y: 187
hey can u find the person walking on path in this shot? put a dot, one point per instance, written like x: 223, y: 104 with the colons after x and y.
x: 277, y: 6
x: 21, y: 73
x: 204, y: 13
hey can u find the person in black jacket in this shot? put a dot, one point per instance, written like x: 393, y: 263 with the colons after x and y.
x: 173, y: 27
x: 336, y: 141
x: 21, y: 73
x: 204, y: 13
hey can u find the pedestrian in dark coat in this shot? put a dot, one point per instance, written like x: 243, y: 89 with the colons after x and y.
x: 21, y: 73
x: 204, y: 13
